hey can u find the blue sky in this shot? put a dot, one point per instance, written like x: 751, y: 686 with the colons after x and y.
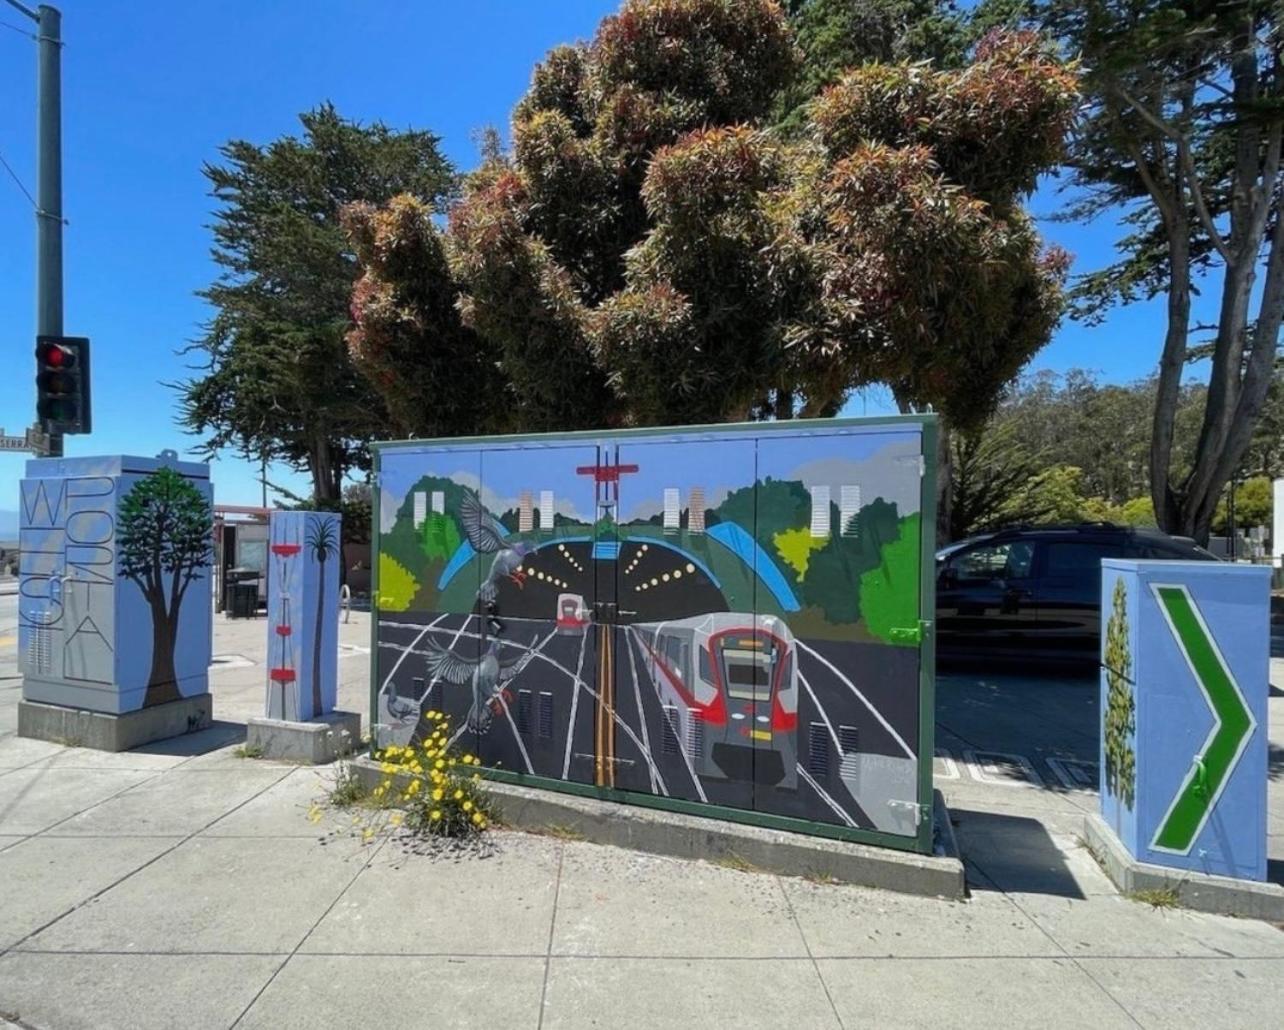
x: 150, y: 92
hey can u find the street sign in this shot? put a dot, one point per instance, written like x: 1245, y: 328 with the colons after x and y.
x: 33, y: 440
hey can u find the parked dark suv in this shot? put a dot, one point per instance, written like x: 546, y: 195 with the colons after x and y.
x: 1036, y: 593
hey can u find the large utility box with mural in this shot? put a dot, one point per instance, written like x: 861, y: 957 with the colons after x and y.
x: 114, y: 590
x: 733, y: 621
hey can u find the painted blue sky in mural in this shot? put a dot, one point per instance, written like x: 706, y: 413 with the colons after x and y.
x: 818, y: 459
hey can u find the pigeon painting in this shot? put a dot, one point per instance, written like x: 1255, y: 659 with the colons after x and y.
x: 486, y: 675
x: 487, y: 537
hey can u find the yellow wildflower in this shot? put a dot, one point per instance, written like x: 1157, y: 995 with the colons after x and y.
x: 468, y: 806
x: 437, y: 794
x: 477, y: 818
x: 435, y: 814
x: 439, y: 764
x: 368, y: 834
x: 459, y: 795
x: 395, y: 819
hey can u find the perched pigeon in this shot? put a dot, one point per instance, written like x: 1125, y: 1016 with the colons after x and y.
x: 487, y: 676
x: 487, y: 537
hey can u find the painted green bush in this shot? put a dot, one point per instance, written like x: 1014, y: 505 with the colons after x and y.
x: 397, y: 587
x: 889, y: 593
x: 1121, y: 709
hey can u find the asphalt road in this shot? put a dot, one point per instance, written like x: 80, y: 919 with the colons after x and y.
x: 548, y: 725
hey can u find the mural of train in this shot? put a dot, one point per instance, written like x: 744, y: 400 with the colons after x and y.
x: 728, y: 684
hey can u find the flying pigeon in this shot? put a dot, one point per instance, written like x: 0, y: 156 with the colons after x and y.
x: 487, y: 537
x: 487, y: 675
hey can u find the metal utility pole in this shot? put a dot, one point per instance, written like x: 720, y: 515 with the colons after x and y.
x: 48, y: 176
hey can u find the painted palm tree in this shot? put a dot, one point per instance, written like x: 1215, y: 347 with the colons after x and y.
x: 320, y: 542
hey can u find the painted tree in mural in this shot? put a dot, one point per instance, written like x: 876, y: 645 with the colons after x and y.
x: 1121, y: 717
x: 163, y: 544
x: 650, y: 252
x: 321, y: 544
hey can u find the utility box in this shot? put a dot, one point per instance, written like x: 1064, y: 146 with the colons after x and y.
x: 1184, y: 682
x: 303, y: 614
x: 114, y: 593
x: 733, y: 621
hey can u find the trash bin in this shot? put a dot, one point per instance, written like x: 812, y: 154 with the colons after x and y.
x: 241, y: 594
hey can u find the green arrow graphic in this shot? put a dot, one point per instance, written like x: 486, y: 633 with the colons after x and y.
x: 1233, y: 723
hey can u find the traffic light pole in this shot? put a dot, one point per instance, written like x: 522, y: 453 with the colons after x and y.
x: 48, y: 179
x: 49, y: 183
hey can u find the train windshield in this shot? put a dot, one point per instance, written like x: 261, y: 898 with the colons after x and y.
x: 748, y: 674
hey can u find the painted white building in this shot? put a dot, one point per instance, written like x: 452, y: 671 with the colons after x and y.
x: 672, y: 509
x: 421, y: 508
x: 439, y: 502
x: 546, y: 509
x: 525, y: 512
x: 848, y: 506
x: 819, y: 512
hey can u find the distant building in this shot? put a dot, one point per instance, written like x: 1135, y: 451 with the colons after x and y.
x: 695, y: 510
x: 421, y: 508
x: 546, y: 509
x: 819, y: 512
x: 525, y: 512
x: 848, y: 506
x: 672, y: 509
x: 439, y: 502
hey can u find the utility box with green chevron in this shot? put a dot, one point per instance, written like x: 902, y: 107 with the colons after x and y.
x: 1184, y: 684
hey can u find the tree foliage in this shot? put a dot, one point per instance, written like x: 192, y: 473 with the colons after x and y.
x: 1121, y: 712
x: 164, y: 541
x: 1183, y: 129
x: 650, y: 252
x: 276, y: 381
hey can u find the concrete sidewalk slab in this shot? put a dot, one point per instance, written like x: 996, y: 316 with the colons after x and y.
x: 969, y: 993
x: 180, y: 803
x: 279, y: 811
x: 38, y: 797
x: 131, y: 992
x: 1103, y: 926
x: 45, y: 877
x: 500, y: 904
x: 618, y: 902
x: 315, y: 991
x: 16, y: 752
x: 682, y: 993
x: 1163, y: 993
x: 212, y: 894
x: 839, y: 921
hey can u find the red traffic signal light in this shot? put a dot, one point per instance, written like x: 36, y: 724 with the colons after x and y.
x: 55, y: 355
x: 62, y: 384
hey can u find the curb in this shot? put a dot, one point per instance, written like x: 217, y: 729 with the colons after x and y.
x: 677, y: 835
x: 1203, y: 892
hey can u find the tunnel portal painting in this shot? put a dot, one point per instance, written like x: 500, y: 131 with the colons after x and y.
x: 725, y: 616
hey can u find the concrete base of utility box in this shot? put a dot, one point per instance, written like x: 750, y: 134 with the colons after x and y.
x: 678, y: 835
x: 1202, y: 891
x: 105, y: 732
x: 315, y: 742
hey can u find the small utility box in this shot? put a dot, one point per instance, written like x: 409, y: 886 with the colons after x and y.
x: 114, y: 599
x: 1184, y: 683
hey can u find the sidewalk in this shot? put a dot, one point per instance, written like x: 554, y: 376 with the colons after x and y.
x: 181, y: 885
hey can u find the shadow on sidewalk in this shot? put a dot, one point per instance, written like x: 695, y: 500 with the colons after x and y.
x: 1011, y: 853
x: 218, y: 734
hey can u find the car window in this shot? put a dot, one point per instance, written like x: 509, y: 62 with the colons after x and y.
x: 1008, y: 560
x: 1078, y: 563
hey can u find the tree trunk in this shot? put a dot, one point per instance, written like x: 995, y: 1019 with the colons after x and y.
x: 1171, y: 364
x: 162, y: 683
x: 327, y: 473
x: 944, y: 483
x: 316, y: 639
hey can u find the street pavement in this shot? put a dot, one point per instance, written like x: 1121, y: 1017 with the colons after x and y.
x: 180, y: 885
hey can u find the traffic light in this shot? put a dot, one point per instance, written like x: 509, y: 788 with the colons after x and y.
x: 62, y: 384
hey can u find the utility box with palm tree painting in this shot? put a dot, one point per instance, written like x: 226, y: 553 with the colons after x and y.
x: 303, y: 614
x: 1184, y: 680
x: 114, y: 596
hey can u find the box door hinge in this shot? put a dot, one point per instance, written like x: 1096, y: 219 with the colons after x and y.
x: 910, y: 634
